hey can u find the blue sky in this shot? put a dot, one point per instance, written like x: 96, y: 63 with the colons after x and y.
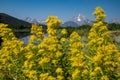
x: 64, y: 9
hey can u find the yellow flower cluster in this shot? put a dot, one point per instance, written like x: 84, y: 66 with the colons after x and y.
x: 36, y: 30
x: 6, y: 33
x: 99, y: 13
x: 75, y: 50
x: 63, y: 32
x: 37, y: 33
x: 77, y: 57
x: 104, y: 54
x: 59, y: 70
x: 52, y: 24
x: 11, y: 53
x: 60, y: 56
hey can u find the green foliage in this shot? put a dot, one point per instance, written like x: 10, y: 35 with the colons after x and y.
x: 113, y: 26
x: 81, y: 30
x: 69, y: 29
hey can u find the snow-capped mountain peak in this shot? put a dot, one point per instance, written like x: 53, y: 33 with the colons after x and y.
x: 77, y: 20
x: 32, y: 20
x: 79, y: 17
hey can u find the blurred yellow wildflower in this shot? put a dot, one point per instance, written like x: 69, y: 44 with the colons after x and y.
x: 59, y: 70
x: 44, y: 76
x: 105, y: 77
x: 44, y: 60
x: 99, y: 13
x: 63, y: 31
x: 75, y: 74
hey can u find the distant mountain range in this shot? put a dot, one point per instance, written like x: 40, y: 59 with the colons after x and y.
x: 115, y: 20
x: 33, y: 20
x: 74, y: 22
x: 77, y: 20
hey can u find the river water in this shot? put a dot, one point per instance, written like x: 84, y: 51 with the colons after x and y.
x: 26, y: 39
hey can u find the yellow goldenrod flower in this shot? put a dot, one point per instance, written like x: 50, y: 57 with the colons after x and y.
x: 105, y: 77
x: 32, y: 39
x: 59, y: 70
x: 51, y: 78
x: 52, y: 23
x: 29, y: 55
x: 97, y: 69
x: 85, y: 71
x: 59, y: 77
x: 44, y: 76
x: 101, y: 49
x: 99, y: 13
x: 55, y: 62
x: 92, y: 74
x: 58, y: 54
x: 75, y: 74
x: 63, y: 32
x: 44, y: 60
x: 63, y: 39
x: 31, y: 73
x: 98, y: 58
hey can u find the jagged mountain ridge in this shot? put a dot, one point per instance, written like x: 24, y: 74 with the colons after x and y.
x: 77, y: 20
x: 33, y: 20
x: 81, y: 19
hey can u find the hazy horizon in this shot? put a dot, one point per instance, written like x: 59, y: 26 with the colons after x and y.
x: 64, y: 9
